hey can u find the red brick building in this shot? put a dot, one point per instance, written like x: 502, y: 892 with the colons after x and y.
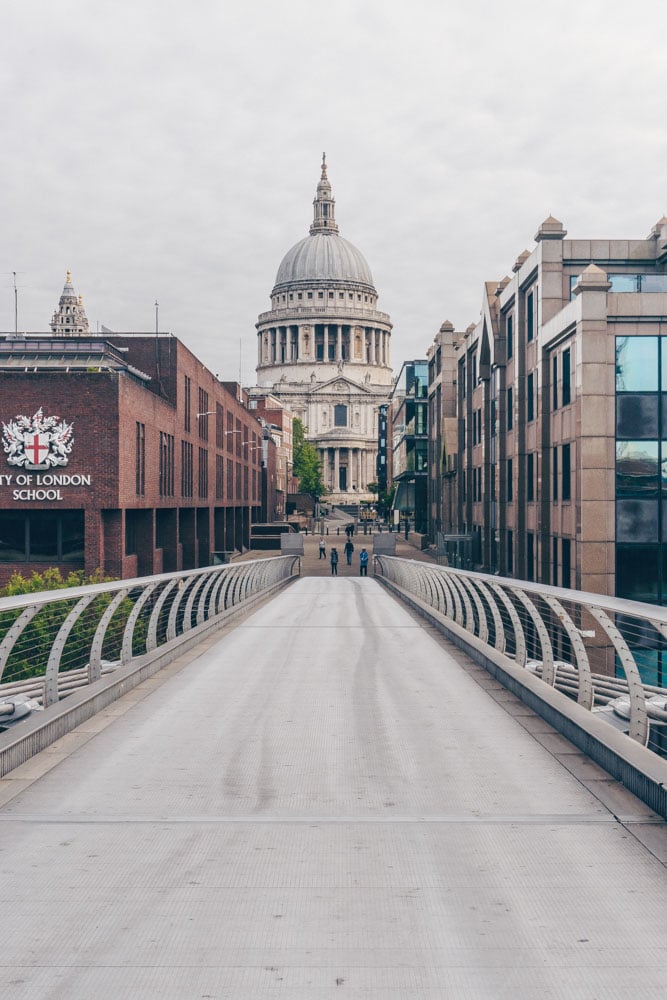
x: 123, y: 452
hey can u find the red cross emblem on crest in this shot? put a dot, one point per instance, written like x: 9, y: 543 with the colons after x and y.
x: 36, y: 446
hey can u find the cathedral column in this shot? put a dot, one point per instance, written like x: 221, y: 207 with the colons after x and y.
x: 299, y: 341
x: 325, y: 330
x: 336, y: 470
x: 372, y: 343
x: 361, y: 480
x: 339, y: 342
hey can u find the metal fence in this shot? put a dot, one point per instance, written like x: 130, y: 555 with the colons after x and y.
x: 53, y: 642
x: 609, y: 655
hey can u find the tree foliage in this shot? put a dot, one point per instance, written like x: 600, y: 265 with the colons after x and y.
x: 307, y: 466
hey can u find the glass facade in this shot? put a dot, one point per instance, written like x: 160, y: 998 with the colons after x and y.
x: 641, y: 468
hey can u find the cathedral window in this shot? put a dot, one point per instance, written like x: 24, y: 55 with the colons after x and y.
x: 310, y: 295
x: 331, y: 295
x: 320, y: 295
x: 300, y: 295
x: 340, y: 415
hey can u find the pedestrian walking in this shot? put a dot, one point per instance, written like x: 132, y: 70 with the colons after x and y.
x: 349, y: 549
x: 323, y: 548
x: 363, y: 563
x: 334, y: 561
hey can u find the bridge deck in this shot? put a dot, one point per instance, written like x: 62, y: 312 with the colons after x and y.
x: 327, y: 801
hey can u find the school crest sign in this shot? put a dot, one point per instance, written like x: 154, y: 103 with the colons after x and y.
x: 37, y: 443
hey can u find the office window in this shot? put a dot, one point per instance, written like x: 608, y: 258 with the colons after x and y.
x: 530, y: 316
x: 510, y: 408
x: 565, y: 490
x: 510, y: 553
x: 140, y: 459
x: 229, y: 433
x: 187, y: 390
x: 554, y: 474
x: 166, y: 465
x: 554, y: 381
x: 530, y: 556
x: 510, y: 480
x: 230, y: 479
x: 219, y: 426
x: 202, y: 478
x: 637, y: 469
x: 636, y: 364
x: 530, y: 477
x: 554, y: 561
x: 219, y: 477
x: 239, y: 481
x: 566, y: 388
x: 186, y: 468
x: 530, y: 397
x: 510, y: 336
x: 566, y: 566
x: 202, y: 414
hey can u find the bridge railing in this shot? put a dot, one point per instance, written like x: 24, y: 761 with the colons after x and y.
x: 607, y: 654
x: 56, y: 641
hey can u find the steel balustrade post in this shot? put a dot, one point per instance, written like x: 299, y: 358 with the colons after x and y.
x: 639, y: 725
x: 190, y: 603
x: 53, y: 664
x: 548, y: 672
x: 500, y: 644
x: 584, y: 679
x: 481, y: 613
x: 14, y: 633
x: 468, y: 621
x: 128, y: 634
x: 95, y: 664
x: 456, y: 598
x: 151, y: 638
x: 215, y: 596
x: 201, y: 603
x: 172, y: 624
x: 519, y: 637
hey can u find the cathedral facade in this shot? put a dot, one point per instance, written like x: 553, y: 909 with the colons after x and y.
x: 324, y: 350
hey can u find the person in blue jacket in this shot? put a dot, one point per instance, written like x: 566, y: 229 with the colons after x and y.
x: 363, y: 563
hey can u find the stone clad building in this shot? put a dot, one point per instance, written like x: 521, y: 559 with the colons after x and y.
x: 561, y: 387
x: 324, y: 350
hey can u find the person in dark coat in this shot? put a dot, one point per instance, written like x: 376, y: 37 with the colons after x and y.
x: 334, y: 562
x: 349, y: 549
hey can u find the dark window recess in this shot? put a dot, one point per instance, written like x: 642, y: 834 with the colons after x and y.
x: 554, y: 474
x: 565, y: 394
x: 202, y: 482
x: 554, y: 561
x: 554, y: 381
x: 530, y: 556
x: 636, y: 520
x: 187, y: 392
x: 140, y: 459
x: 637, y: 469
x: 510, y: 480
x: 566, y: 559
x: 565, y: 484
x: 530, y: 397
x: 510, y: 336
x: 530, y: 316
x: 510, y: 553
x: 530, y: 477
x: 510, y: 408
x: 41, y: 536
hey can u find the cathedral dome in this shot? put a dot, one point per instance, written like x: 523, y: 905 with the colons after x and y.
x: 324, y: 256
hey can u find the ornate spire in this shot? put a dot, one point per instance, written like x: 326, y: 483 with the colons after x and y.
x: 323, y: 217
x: 69, y: 319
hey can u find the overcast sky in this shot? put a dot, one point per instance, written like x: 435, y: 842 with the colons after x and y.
x: 167, y: 150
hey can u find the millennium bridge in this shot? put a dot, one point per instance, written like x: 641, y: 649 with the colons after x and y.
x: 260, y: 780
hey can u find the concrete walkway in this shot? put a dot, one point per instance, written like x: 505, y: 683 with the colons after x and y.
x: 326, y: 802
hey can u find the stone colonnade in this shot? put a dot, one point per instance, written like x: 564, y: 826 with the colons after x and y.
x: 330, y: 342
x: 358, y: 463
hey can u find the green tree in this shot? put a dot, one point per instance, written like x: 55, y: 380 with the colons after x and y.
x: 307, y: 466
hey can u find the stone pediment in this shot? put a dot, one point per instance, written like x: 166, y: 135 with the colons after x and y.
x: 341, y: 385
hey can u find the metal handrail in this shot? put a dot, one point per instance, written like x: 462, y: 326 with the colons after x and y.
x: 56, y: 638
x: 560, y: 635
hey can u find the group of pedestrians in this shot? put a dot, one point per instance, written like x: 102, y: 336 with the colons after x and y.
x: 349, y: 552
